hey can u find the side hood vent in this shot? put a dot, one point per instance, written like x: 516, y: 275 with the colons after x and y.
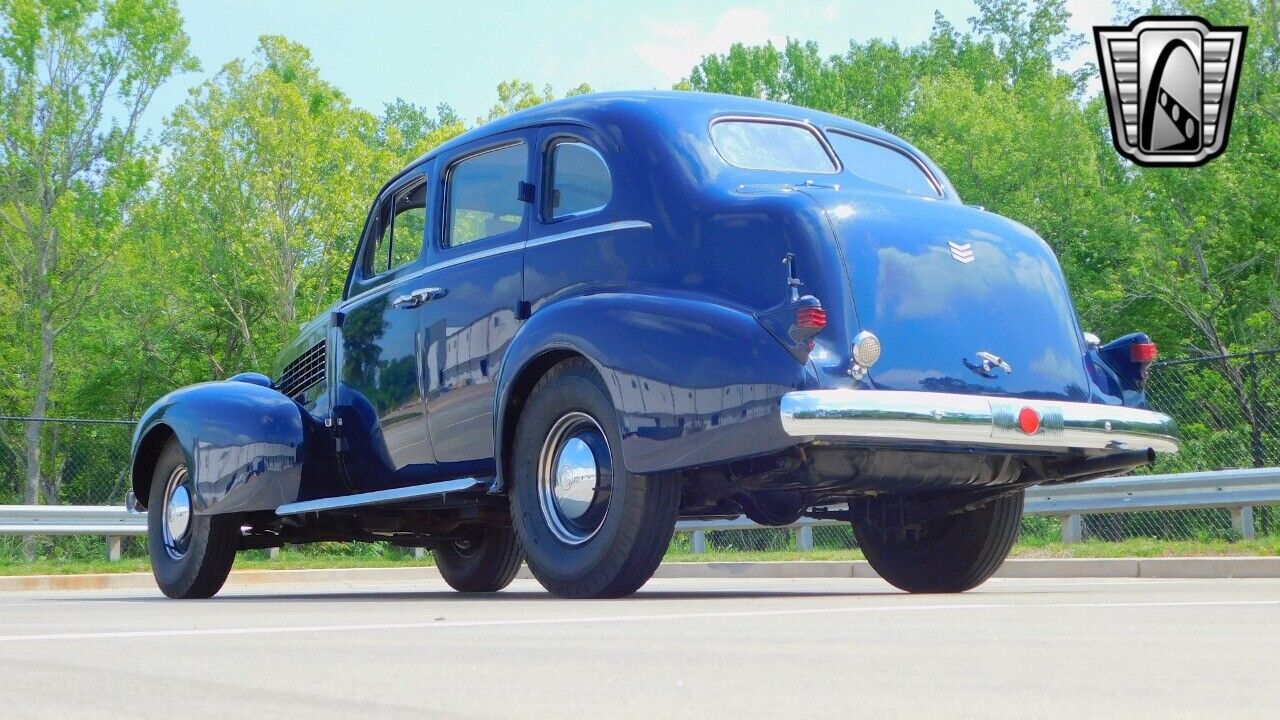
x: 304, y: 373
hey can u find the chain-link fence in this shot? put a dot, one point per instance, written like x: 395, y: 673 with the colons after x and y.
x: 79, y: 462
x: 1226, y: 407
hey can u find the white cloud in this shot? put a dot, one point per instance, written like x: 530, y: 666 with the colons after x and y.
x: 672, y: 49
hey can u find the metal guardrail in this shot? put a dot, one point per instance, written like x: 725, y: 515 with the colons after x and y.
x: 110, y: 522
x: 1237, y: 490
x: 70, y: 520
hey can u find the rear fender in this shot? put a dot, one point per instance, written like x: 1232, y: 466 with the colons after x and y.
x: 244, y: 444
x: 694, y: 382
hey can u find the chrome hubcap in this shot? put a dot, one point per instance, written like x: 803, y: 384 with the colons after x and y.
x: 466, y: 548
x: 176, y: 524
x: 575, y: 475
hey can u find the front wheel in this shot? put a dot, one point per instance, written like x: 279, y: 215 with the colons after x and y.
x: 589, y: 528
x: 191, y: 555
x: 949, y: 554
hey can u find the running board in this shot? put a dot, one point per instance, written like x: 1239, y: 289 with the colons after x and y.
x: 386, y: 497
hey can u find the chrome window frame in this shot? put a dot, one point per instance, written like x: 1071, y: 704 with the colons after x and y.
x: 928, y: 174
x: 545, y: 211
x: 768, y: 120
x: 367, y: 251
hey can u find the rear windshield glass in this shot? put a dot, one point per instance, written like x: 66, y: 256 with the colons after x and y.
x: 758, y: 145
x: 881, y: 164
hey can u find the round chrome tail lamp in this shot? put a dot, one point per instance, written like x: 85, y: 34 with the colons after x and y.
x: 865, y: 352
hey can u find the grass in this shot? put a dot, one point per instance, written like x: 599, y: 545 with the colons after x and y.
x: 1150, y: 547
x: 335, y: 555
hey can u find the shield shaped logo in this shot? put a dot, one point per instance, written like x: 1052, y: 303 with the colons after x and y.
x: 1170, y: 84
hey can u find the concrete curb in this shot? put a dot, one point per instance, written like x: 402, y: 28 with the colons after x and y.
x: 1193, y: 567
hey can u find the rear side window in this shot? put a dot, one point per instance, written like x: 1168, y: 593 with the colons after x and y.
x: 882, y: 165
x: 580, y: 181
x: 484, y: 195
x: 763, y: 145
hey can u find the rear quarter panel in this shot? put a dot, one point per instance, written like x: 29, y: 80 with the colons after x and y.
x: 694, y: 382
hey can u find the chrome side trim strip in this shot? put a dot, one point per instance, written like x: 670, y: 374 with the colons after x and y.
x: 503, y: 249
x: 381, y: 497
x: 593, y: 230
x: 976, y: 420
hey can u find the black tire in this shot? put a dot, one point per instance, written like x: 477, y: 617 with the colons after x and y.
x: 950, y: 554
x: 614, y: 546
x: 486, y: 561
x: 197, y: 564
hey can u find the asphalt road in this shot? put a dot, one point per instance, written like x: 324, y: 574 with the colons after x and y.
x: 681, y: 648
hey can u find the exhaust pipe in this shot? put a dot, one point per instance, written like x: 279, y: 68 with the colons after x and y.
x: 1104, y: 465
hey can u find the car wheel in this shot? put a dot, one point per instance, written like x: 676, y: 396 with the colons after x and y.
x: 948, y: 555
x: 191, y: 555
x: 486, y: 560
x: 589, y: 528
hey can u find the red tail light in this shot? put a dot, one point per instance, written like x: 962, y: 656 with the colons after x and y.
x: 1143, y: 352
x: 1029, y: 421
x: 811, y: 318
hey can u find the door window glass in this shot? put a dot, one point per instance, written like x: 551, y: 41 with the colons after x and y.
x: 484, y: 195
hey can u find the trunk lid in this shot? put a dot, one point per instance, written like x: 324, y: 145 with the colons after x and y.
x: 945, y: 286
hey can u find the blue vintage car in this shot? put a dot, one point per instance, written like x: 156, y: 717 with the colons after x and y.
x: 569, y: 327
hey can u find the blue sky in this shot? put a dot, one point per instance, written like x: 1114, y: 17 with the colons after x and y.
x: 457, y: 52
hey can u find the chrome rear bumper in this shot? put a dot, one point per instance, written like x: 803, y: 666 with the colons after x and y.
x: 973, y: 420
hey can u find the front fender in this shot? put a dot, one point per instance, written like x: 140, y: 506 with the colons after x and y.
x: 695, y: 382
x: 244, y: 445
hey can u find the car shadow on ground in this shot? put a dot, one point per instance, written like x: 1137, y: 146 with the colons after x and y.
x: 374, y: 596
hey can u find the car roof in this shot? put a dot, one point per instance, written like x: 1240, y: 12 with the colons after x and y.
x: 658, y: 107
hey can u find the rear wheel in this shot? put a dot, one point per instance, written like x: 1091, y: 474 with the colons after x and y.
x: 589, y: 528
x: 191, y: 555
x: 486, y: 560
x: 949, y: 554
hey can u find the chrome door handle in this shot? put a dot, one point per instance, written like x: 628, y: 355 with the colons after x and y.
x: 418, y: 297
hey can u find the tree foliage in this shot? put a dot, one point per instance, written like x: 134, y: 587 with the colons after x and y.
x: 74, y: 80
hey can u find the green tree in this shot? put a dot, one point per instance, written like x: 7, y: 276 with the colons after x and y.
x: 271, y: 170
x: 408, y: 130
x: 75, y: 77
x: 515, y: 95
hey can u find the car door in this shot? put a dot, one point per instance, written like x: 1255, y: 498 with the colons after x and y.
x: 384, y: 434
x: 477, y: 267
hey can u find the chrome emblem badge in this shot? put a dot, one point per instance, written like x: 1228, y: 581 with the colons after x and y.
x: 1170, y: 84
x: 961, y: 253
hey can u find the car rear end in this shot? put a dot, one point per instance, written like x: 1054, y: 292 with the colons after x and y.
x: 959, y: 347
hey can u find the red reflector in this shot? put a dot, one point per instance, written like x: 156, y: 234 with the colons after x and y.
x: 811, y: 318
x: 1029, y: 421
x: 1143, y: 352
